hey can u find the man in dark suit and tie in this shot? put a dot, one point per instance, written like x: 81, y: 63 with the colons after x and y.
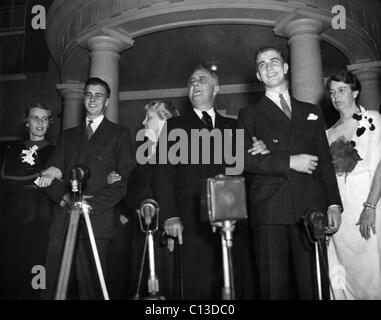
x: 103, y: 147
x: 177, y: 188
x: 295, y: 176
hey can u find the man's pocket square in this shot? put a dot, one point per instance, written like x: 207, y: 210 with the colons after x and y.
x: 312, y: 116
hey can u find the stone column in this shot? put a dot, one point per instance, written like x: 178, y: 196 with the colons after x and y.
x: 104, y: 54
x: 73, y: 110
x: 307, y: 82
x: 369, y: 75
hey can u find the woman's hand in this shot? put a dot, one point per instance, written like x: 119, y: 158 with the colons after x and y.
x: 45, y: 180
x: 367, y: 222
x: 53, y: 171
x: 113, y: 177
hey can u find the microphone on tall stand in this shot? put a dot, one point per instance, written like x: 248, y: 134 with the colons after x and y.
x: 315, y: 223
x: 149, y: 208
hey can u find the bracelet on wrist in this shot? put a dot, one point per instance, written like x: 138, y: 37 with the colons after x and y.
x: 368, y: 205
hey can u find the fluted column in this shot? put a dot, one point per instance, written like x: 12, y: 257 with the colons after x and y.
x: 307, y: 82
x: 104, y: 55
x: 369, y: 75
x: 72, y: 94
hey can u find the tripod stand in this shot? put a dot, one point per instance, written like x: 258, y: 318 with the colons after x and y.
x: 79, y: 209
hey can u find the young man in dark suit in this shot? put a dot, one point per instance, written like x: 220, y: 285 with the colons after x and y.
x: 295, y: 176
x: 177, y: 188
x: 103, y: 147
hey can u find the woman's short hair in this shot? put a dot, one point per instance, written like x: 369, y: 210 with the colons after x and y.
x: 163, y: 108
x: 346, y: 77
x: 38, y: 105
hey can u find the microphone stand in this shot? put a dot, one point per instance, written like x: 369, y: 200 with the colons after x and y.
x: 79, y: 208
x: 153, y: 281
x: 227, y: 228
x: 317, y: 236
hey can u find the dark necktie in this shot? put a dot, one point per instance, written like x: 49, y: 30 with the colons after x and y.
x: 286, y: 109
x: 89, y: 130
x: 206, y: 118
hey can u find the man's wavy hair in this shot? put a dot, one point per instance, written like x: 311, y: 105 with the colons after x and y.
x: 98, y: 81
x: 208, y: 70
x: 265, y: 49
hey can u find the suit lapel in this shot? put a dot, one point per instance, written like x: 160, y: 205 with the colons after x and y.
x: 193, y: 121
x: 99, y: 134
x: 274, y: 115
x: 220, y: 121
x: 298, y: 120
x: 79, y: 141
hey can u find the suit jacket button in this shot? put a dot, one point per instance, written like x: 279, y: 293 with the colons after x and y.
x: 275, y: 140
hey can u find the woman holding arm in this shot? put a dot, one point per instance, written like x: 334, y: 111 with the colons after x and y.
x: 139, y: 189
x: 25, y: 209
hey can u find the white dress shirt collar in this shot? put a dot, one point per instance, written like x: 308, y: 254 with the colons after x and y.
x: 274, y: 97
x: 210, y: 112
x: 96, y: 122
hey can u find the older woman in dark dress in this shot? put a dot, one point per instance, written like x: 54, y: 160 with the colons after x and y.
x: 139, y: 189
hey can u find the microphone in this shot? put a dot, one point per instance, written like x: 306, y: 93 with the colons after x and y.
x: 74, y: 180
x: 148, y: 209
x: 315, y: 222
x: 79, y: 174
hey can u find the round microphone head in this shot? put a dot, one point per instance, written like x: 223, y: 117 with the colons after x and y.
x: 149, y: 202
x: 148, y: 209
x: 82, y: 172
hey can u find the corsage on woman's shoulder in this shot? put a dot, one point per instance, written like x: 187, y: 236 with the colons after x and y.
x: 28, y: 155
x: 344, y: 156
x: 364, y: 121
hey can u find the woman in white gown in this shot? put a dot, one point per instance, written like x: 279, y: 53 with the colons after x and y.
x: 354, y: 252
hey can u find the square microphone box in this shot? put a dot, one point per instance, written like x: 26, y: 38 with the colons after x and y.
x: 223, y: 198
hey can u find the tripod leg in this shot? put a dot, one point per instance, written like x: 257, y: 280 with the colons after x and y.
x: 95, y: 252
x: 67, y: 258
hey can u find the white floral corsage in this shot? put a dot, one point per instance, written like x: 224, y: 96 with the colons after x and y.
x: 27, y: 155
x: 364, y: 121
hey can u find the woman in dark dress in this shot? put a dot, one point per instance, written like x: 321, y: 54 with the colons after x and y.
x: 139, y: 189
x: 25, y: 210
